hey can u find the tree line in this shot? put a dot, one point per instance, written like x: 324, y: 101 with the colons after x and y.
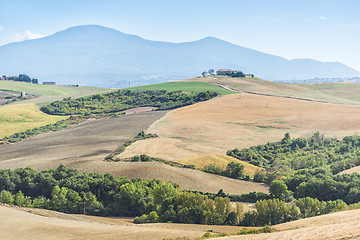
x: 65, y: 189
x: 21, y: 78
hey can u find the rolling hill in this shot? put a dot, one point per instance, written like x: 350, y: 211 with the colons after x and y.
x: 25, y: 223
x: 239, y: 121
x: 99, y: 56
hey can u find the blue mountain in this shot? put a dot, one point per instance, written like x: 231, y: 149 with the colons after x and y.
x: 100, y: 56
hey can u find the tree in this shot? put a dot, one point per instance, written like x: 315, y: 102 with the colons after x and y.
x: 24, y: 78
x: 211, y: 71
x: 6, y: 197
x: 204, y: 74
x: 279, y: 189
x: 234, y: 170
x: 35, y: 81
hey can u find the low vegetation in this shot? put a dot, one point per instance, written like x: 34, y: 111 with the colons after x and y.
x: 140, y: 136
x: 125, y: 99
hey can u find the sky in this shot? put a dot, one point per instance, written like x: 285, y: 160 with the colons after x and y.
x: 325, y: 30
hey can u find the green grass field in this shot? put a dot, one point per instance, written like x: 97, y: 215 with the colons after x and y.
x: 49, y: 93
x: 43, y: 90
x: 20, y: 117
x: 184, y: 86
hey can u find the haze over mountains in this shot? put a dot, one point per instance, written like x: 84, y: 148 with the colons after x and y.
x: 100, y: 56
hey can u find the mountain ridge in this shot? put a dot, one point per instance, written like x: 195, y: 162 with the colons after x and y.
x: 102, y: 56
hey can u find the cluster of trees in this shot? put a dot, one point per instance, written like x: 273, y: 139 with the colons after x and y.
x: 307, y: 167
x: 232, y: 170
x: 125, y: 99
x: 303, y: 153
x: 22, y: 78
x: 320, y: 183
x: 210, y: 72
x: 65, y: 189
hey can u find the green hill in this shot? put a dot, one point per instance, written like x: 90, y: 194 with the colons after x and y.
x: 185, y: 87
x: 49, y: 93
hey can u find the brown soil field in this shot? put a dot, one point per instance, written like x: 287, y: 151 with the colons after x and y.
x: 340, y: 225
x: 242, y: 120
x: 85, y: 146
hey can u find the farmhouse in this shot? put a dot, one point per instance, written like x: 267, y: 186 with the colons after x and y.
x: 49, y: 83
x: 226, y: 72
x: 249, y: 75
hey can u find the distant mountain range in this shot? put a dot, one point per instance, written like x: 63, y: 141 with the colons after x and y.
x: 100, y: 56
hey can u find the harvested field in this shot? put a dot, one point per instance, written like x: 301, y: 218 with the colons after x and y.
x: 326, y: 92
x: 84, y: 147
x: 340, y: 225
x: 242, y: 120
x: 17, y: 224
x: 220, y: 161
x: 26, y: 223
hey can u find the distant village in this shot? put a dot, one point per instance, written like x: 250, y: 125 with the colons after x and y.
x: 228, y: 72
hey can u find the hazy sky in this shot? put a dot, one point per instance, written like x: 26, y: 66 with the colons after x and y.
x: 325, y: 30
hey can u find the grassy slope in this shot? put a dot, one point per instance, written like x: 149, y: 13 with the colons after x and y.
x: 219, y: 160
x: 328, y: 92
x: 43, y: 90
x: 20, y: 117
x: 49, y: 93
x: 184, y: 86
x: 25, y: 115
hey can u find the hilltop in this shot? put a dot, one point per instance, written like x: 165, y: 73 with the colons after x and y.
x: 99, y: 56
